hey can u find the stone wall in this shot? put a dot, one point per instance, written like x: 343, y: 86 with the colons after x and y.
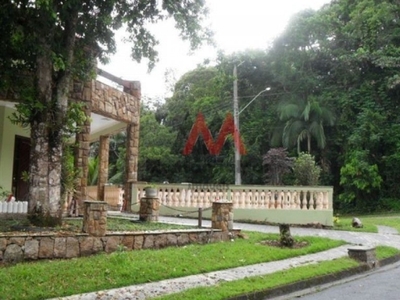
x: 110, y: 102
x: 23, y: 247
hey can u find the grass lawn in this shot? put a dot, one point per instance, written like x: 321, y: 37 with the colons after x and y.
x: 369, y: 222
x: 55, y: 278
x: 229, y: 289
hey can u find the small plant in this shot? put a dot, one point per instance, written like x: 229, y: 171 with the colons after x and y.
x: 25, y: 176
x: 151, y: 186
x: 120, y: 249
x: 3, y: 193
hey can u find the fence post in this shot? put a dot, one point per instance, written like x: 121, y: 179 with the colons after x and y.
x: 200, y: 217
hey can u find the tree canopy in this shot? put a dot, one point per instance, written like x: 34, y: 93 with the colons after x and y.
x: 334, y: 92
x: 47, y: 43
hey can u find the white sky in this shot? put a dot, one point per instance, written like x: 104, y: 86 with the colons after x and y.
x: 237, y: 24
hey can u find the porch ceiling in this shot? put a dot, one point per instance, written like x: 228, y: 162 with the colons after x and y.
x: 100, y: 125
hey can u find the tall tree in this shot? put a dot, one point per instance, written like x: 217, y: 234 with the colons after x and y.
x: 302, y: 121
x: 46, y: 43
x: 301, y: 67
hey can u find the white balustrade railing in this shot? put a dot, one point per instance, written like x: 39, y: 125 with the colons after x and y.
x: 247, y: 197
x: 14, y: 207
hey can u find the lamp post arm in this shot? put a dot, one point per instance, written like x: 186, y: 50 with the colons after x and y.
x: 252, y: 101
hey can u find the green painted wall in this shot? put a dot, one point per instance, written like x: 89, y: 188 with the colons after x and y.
x: 288, y: 216
x: 8, y: 131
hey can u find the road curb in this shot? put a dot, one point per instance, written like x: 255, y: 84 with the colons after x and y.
x: 312, y: 282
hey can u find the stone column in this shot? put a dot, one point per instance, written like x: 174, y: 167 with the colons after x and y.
x: 95, y: 218
x: 222, y: 216
x: 131, y: 165
x: 103, y: 167
x: 83, y: 93
x: 149, y: 209
x: 132, y: 148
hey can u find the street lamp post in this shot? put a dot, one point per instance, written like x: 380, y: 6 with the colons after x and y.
x: 236, y: 113
x: 238, y: 179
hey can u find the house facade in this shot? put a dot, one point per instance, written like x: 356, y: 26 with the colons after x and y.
x: 110, y: 111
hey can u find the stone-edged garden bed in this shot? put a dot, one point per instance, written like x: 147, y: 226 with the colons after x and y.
x: 16, y: 247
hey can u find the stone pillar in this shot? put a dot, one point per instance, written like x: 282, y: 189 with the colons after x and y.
x: 132, y: 147
x: 222, y: 216
x: 95, y: 218
x: 83, y: 93
x: 103, y: 166
x: 149, y: 209
x: 132, y: 154
x: 365, y: 254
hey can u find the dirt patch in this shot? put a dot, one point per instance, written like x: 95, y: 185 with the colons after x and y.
x: 276, y: 243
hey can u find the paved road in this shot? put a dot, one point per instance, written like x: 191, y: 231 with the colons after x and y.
x: 382, y: 284
x: 364, y: 238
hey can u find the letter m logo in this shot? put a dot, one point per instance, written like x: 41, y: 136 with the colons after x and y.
x: 214, y: 148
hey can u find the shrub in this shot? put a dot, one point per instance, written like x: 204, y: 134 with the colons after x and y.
x: 306, y: 171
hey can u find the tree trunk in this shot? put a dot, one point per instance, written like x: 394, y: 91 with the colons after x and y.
x: 286, y: 239
x: 46, y: 150
x: 47, y: 128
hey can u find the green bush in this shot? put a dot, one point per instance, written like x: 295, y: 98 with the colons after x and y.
x: 305, y: 170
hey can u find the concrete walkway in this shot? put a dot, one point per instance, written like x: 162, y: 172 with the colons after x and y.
x: 150, y: 290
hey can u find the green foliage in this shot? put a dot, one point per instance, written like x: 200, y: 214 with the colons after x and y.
x: 48, y: 44
x: 305, y: 170
x: 157, y: 161
x: 3, y: 193
x: 360, y: 179
x: 93, y: 170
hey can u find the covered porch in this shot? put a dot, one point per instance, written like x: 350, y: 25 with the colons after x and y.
x: 109, y: 110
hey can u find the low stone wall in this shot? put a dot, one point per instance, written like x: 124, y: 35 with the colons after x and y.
x: 24, y: 247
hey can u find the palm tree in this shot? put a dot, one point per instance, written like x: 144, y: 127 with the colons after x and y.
x: 303, y: 120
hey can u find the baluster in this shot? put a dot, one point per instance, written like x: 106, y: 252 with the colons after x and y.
x: 276, y: 199
x: 262, y: 199
x: 278, y: 196
x: 188, y: 198
x: 214, y: 196
x: 254, y: 198
x: 194, y: 197
x: 242, y: 199
x: 313, y: 198
x: 267, y: 199
x: 173, y: 197
x: 293, y: 196
x: 200, y: 198
x: 207, y: 198
x: 303, y: 200
x: 283, y: 200
x: 326, y: 200
x: 272, y: 199
x: 235, y: 199
x: 288, y: 198
x: 247, y: 198
x: 319, y: 203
